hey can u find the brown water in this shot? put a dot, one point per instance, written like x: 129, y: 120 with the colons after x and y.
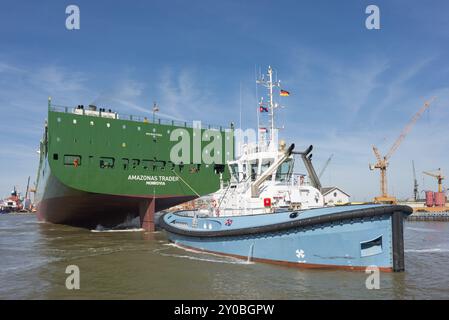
x: 139, y: 265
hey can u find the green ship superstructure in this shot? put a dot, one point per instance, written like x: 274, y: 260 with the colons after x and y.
x: 98, y: 167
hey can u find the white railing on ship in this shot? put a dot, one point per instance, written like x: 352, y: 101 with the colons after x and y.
x: 254, y: 148
x: 115, y: 115
x: 293, y: 179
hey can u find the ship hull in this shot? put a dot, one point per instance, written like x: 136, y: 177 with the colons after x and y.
x: 96, y: 170
x: 337, y: 238
x: 61, y: 204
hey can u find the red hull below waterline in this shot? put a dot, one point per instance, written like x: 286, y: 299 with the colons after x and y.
x: 88, y: 210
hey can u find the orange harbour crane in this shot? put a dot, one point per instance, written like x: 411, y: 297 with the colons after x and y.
x: 382, y: 162
x: 439, y: 176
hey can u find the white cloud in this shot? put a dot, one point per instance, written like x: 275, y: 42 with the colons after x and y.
x: 8, y: 68
x: 186, y: 95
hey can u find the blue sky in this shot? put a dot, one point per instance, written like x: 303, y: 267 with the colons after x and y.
x: 350, y: 87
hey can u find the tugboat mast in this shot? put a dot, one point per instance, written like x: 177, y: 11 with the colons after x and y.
x: 269, y: 84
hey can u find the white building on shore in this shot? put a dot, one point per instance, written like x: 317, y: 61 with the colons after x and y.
x: 334, y: 196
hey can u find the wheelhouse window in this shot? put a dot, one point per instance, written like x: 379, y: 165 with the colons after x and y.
x: 254, y: 168
x: 266, y: 163
x: 284, y: 172
x: 235, y: 171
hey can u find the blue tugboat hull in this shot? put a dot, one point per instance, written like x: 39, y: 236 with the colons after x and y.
x: 350, y: 237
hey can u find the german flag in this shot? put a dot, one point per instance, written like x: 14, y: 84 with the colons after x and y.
x: 284, y: 93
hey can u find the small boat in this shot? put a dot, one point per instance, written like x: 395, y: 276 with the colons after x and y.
x: 266, y: 214
x: 12, y: 203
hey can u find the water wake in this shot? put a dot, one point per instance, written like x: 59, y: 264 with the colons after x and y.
x: 131, y: 224
x: 432, y: 250
x: 219, y: 258
x: 118, y: 230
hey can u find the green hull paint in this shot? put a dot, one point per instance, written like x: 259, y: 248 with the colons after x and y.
x: 102, y: 158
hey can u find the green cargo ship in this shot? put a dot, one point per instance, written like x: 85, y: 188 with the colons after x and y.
x: 97, y: 167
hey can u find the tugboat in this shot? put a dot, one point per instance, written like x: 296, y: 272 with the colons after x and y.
x: 268, y: 214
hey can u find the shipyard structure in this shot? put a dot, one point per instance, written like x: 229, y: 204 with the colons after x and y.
x: 97, y: 167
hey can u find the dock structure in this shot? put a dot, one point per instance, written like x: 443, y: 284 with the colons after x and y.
x: 429, y: 216
x: 423, y: 213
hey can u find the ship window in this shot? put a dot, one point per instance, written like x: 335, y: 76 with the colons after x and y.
x: 135, y: 163
x: 284, y: 171
x: 106, y: 163
x: 160, y: 164
x: 147, y: 164
x: 125, y: 163
x: 235, y: 171
x: 219, y: 168
x: 72, y: 160
x: 254, y: 167
x: 372, y: 247
x: 55, y: 156
x: 91, y: 123
x: 266, y: 163
x: 124, y: 126
x: 171, y: 166
x: 74, y: 121
x: 59, y: 119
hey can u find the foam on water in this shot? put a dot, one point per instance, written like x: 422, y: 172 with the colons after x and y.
x: 421, y: 229
x: 432, y: 250
x: 118, y: 230
x: 220, y: 258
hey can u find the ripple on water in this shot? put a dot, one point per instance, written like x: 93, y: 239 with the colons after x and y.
x: 33, y: 257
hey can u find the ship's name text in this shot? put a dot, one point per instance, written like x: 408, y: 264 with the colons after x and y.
x: 152, y: 180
